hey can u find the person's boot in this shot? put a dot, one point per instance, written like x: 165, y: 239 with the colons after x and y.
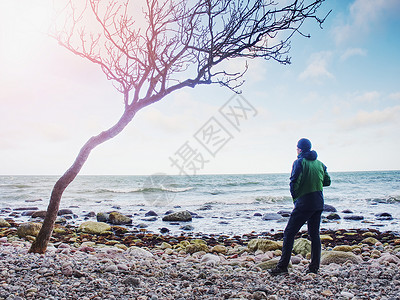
x: 278, y: 271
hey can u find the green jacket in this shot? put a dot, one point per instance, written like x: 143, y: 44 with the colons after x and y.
x: 308, y: 176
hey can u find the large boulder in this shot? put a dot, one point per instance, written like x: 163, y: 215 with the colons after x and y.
x: 117, y: 218
x: 302, y: 246
x: 180, y: 216
x: 28, y: 229
x: 339, y: 257
x: 94, y: 227
x: 263, y: 245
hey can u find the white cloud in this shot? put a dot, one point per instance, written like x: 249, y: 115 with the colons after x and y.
x: 364, y: 15
x: 317, y: 67
x: 368, y: 97
x: 378, y: 117
x: 353, y: 52
x: 395, y: 96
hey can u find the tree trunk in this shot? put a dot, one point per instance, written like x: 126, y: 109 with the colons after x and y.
x: 40, y: 244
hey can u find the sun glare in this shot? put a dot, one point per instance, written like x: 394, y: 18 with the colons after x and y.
x: 23, y: 27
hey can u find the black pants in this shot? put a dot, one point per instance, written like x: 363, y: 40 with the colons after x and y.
x: 297, y: 219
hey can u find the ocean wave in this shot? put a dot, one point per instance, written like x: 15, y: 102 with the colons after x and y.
x: 142, y: 190
x: 272, y: 199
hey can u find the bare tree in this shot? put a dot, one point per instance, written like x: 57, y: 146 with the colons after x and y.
x: 151, y: 48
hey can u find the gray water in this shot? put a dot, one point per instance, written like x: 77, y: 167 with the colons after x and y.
x: 224, y: 204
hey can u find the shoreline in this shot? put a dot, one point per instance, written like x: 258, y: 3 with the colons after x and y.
x: 125, y: 265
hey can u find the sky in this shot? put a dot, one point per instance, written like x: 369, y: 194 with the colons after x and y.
x: 342, y: 91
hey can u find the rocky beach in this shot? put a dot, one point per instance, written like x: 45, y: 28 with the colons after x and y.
x: 100, y: 260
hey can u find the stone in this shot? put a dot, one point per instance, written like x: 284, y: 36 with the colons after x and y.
x: 151, y: 213
x: 353, y: 217
x: 28, y: 229
x: 131, y: 280
x: 193, y: 248
x: 302, y: 246
x: 210, y: 259
x: 329, y: 208
x: 4, y: 223
x: 180, y: 216
x: 347, y: 211
x: 263, y: 245
x: 325, y: 237
x: 384, y: 217
x: 64, y: 211
x: 102, y: 217
x: 187, y: 227
x: 388, y: 258
x: 271, y: 216
x: 25, y: 208
x: 370, y: 240
x: 269, y: 264
x: 219, y: 249
x: 345, y: 248
x: 39, y: 214
x: 94, y: 227
x: 139, y: 252
x: 117, y: 218
x: 333, y: 216
x: 339, y: 257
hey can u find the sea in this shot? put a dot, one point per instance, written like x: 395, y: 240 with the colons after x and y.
x: 220, y: 204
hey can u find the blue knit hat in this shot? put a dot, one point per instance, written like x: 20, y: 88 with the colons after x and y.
x: 304, y: 144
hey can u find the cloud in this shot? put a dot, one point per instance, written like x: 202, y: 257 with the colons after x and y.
x: 317, y: 67
x: 368, y: 97
x: 353, y: 52
x: 395, y: 96
x: 366, y: 119
x: 363, y: 16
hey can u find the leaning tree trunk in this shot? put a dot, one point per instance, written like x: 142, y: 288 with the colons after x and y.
x: 41, y: 241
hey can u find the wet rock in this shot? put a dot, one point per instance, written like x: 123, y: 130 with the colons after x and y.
x: 150, y: 219
x: 257, y: 215
x: 39, y: 214
x: 339, y: 257
x: 164, y: 230
x: 64, y: 211
x: 271, y: 216
x: 28, y: 213
x: 206, y: 207
x: 151, y: 213
x: 90, y: 214
x: 347, y: 211
x: 333, y: 216
x: 117, y: 218
x: 34, y: 200
x: 187, y: 227
x: 263, y: 245
x: 384, y: 217
x: 329, y: 208
x: 353, y: 217
x: 26, y: 208
x: 103, y: 217
x: 181, y: 216
x: 94, y: 227
x: 28, y: 229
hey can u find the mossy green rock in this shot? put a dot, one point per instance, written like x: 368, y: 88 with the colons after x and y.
x: 94, y: 227
x: 302, y: 246
x: 28, y: 229
x: 263, y: 245
x: 192, y: 248
x: 339, y: 257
